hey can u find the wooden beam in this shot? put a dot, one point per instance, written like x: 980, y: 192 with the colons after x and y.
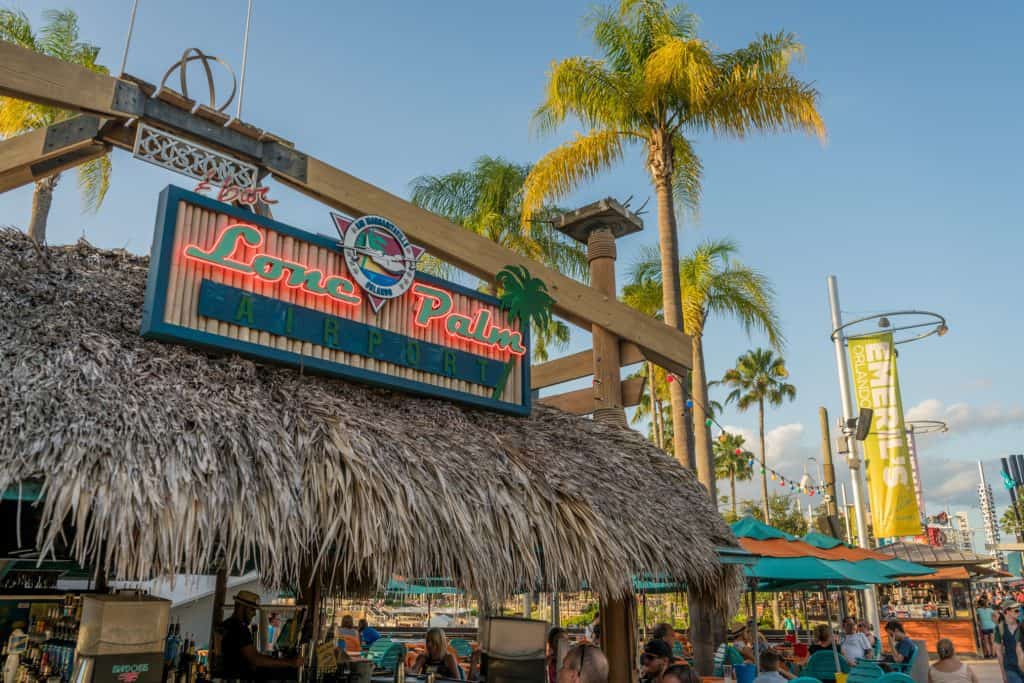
x: 43, y: 152
x: 31, y: 76
x: 28, y: 75
x: 479, y: 256
x: 581, y: 401
x: 578, y: 365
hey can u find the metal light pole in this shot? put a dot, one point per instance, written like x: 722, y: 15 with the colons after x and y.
x: 852, y: 458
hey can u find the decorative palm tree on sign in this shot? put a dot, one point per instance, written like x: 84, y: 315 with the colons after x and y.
x: 527, y: 300
x: 712, y: 283
x: 732, y: 461
x: 657, y: 84
x: 758, y: 378
x: 488, y: 199
x: 57, y: 38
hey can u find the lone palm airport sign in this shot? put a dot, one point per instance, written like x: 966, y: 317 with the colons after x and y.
x: 354, y: 306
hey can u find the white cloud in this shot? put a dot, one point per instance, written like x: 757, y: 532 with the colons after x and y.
x: 952, y: 482
x: 963, y: 418
x: 782, y: 443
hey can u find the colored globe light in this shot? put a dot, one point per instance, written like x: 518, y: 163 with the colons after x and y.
x: 708, y: 422
x: 738, y: 450
x: 670, y: 378
x: 689, y: 403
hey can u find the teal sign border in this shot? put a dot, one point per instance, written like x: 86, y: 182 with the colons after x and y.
x: 153, y: 326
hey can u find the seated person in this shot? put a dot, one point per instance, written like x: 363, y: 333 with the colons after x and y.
x: 437, y: 659
x: 822, y: 638
x: 655, y: 660
x: 727, y: 653
x: 368, y: 635
x: 680, y: 673
x: 584, y: 663
x: 770, y: 669
x: 855, y: 645
x: 347, y: 628
x: 902, y: 646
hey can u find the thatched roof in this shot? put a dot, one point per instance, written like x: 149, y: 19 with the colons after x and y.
x: 168, y: 452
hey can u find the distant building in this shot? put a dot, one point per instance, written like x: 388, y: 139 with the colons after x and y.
x: 964, y: 537
x: 989, y: 518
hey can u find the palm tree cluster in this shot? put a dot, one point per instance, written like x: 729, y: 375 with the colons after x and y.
x: 657, y: 85
x: 57, y: 38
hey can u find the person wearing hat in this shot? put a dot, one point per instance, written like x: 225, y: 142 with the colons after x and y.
x: 1007, y: 639
x: 238, y: 655
x: 655, y: 659
x: 727, y: 654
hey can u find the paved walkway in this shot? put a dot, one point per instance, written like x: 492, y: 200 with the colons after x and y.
x: 987, y: 671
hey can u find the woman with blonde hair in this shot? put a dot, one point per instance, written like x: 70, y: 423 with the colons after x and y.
x: 437, y: 659
x: 949, y: 668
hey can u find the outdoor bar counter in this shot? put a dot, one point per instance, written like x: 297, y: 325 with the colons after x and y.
x: 940, y: 605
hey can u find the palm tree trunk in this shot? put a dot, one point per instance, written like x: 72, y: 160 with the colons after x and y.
x: 764, y: 468
x: 42, y: 199
x: 659, y: 161
x: 653, y: 394
x: 701, y: 431
x: 732, y: 491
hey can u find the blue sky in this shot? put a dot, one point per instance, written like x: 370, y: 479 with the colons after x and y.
x: 911, y: 202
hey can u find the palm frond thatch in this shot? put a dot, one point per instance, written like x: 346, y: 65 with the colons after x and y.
x: 163, y: 457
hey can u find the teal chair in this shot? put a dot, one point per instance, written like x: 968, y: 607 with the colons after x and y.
x: 392, y: 655
x: 865, y: 672
x: 805, y: 679
x: 378, y: 649
x: 878, y: 648
x: 907, y: 666
x: 895, y: 677
x: 462, y: 647
x: 822, y: 666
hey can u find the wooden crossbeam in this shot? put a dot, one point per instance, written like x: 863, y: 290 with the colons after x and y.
x: 581, y: 401
x: 27, y: 75
x: 578, y: 365
x: 46, y: 151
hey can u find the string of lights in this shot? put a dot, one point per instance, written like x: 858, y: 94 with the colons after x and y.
x: 785, y: 481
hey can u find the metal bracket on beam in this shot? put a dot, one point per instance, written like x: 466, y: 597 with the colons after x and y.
x: 285, y: 160
x: 72, y: 131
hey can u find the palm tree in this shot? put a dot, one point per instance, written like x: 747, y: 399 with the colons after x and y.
x: 732, y: 460
x: 57, y: 38
x: 527, y: 300
x: 657, y: 84
x: 759, y: 378
x: 712, y: 283
x: 487, y: 199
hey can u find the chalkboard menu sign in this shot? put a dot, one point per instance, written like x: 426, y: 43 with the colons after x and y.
x: 945, y: 612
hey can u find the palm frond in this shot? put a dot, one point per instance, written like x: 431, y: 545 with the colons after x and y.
x: 59, y: 36
x: 451, y: 195
x: 584, y: 88
x: 752, y: 100
x: 679, y: 69
x: 16, y: 28
x: 769, y: 52
x: 93, y: 182
x: 687, y: 175
x: 564, y: 168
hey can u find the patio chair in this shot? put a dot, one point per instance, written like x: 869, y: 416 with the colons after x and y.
x: 822, y: 666
x: 895, y: 677
x: 805, y: 679
x: 378, y: 649
x: 865, y: 672
x: 389, y: 660
x: 463, y: 650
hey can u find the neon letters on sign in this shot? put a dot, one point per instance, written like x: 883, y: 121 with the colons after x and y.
x: 271, y: 268
x: 436, y: 304
x: 230, y: 192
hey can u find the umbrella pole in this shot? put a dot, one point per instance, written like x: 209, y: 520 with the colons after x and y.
x: 643, y: 598
x: 756, y: 645
x: 428, y: 608
x: 828, y: 619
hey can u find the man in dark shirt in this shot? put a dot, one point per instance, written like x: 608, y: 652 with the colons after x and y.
x: 902, y: 646
x: 1008, y: 642
x: 368, y: 634
x: 238, y: 655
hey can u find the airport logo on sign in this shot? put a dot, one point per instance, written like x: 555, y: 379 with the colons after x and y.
x: 380, y: 258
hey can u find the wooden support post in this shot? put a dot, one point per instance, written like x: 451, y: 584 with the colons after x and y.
x: 618, y: 638
x: 608, y: 408
x: 220, y: 592
x: 309, y: 596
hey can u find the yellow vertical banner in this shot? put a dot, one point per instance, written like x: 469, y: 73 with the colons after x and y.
x: 887, y: 459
